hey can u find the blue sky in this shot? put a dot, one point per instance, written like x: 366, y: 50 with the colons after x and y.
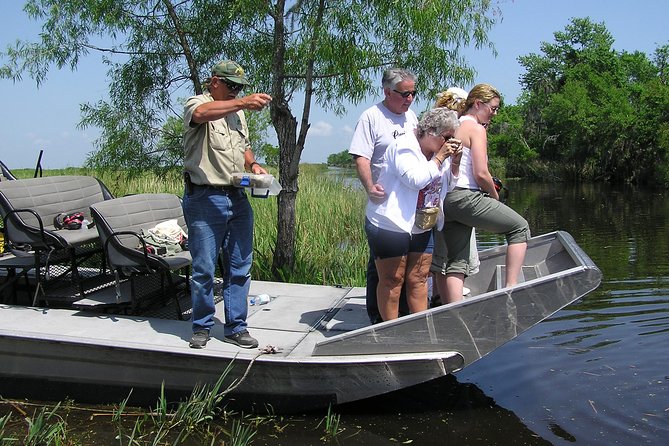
x: 47, y: 118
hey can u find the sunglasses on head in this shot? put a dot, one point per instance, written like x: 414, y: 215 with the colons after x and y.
x: 405, y: 94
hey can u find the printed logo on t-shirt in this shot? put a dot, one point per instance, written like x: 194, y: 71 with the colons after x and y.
x: 398, y: 133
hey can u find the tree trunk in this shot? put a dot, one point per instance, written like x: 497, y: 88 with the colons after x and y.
x: 286, y: 125
x: 290, y: 143
x: 183, y: 42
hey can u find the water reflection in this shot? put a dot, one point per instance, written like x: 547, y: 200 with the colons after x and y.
x: 441, y: 412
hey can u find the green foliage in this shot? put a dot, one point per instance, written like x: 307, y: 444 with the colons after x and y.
x: 331, y: 428
x: 507, y: 143
x: 170, y: 145
x: 241, y: 434
x: 591, y: 112
x: 156, y: 52
x: 5, y: 437
x: 148, y: 51
x: 269, y: 153
x: 46, y: 427
x: 190, y: 422
x: 341, y: 159
x: 331, y: 246
x: 259, y: 124
x: 199, y: 419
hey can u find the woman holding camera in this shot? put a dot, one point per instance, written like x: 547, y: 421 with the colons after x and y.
x: 412, y: 175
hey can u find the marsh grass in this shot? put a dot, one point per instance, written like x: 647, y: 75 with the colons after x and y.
x: 331, y: 248
x: 200, y: 419
x: 331, y: 427
x: 46, y: 426
x: 6, y: 439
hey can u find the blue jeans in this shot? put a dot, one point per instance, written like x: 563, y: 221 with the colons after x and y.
x: 219, y: 221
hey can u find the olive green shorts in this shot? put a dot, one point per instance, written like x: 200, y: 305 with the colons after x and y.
x: 465, y: 209
x: 440, y: 254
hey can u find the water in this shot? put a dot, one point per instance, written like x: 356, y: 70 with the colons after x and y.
x: 596, y: 373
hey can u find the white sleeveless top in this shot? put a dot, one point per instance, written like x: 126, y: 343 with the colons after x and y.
x: 466, y: 178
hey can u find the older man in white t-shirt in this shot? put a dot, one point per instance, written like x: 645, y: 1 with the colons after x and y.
x: 377, y: 128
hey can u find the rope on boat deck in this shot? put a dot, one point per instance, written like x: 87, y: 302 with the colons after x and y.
x: 267, y: 350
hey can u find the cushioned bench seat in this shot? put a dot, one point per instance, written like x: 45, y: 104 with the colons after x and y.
x: 121, y: 223
x: 28, y: 208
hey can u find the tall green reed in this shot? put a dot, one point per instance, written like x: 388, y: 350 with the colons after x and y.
x: 332, y: 429
x: 46, y: 427
x: 331, y: 248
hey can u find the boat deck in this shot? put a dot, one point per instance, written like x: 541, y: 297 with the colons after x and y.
x: 273, y: 324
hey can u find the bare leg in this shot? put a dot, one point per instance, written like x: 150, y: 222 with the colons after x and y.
x: 418, y: 268
x: 441, y: 283
x: 454, y: 284
x: 391, y: 278
x: 515, y: 256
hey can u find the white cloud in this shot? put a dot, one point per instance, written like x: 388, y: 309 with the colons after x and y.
x: 320, y: 128
x: 38, y: 141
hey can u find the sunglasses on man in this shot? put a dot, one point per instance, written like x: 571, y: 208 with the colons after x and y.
x: 232, y: 86
x: 405, y: 94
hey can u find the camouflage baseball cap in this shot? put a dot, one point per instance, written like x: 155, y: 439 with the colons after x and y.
x: 231, y: 71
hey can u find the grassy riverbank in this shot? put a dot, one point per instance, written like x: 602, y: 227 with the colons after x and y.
x: 331, y: 245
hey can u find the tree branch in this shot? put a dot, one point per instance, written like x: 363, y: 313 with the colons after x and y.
x: 183, y: 41
x: 132, y: 53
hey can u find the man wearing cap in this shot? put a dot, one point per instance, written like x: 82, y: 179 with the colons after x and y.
x: 219, y: 215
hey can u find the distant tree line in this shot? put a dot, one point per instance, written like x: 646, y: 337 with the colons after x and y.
x: 341, y: 159
x: 586, y: 113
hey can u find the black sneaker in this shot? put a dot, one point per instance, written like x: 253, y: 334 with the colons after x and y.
x: 199, y: 339
x: 242, y: 339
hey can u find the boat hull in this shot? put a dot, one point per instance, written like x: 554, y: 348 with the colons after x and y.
x: 287, y: 384
x: 557, y: 273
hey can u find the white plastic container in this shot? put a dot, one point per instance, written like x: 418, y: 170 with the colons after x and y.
x: 262, y: 186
